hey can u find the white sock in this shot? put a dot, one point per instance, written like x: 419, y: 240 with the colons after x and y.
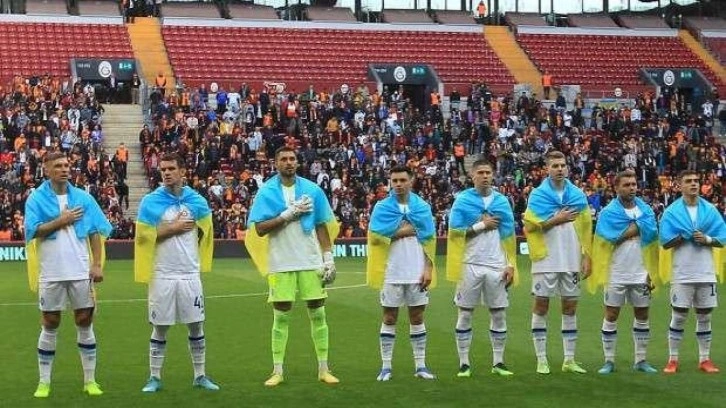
x: 641, y: 337
x: 498, y: 335
x: 157, y: 349
x: 609, y: 339
x: 46, y: 353
x: 675, y: 333
x: 463, y: 336
x: 197, y: 347
x: 569, y: 336
x: 703, y: 334
x: 87, y: 349
x: 418, y: 344
x: 539, y: 337
x: 387, y: 341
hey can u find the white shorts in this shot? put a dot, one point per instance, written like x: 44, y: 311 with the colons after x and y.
x: 403, y: 294
x: 481, y: 285
x: 638, y: 295
x: 551, y: 284
x: 175, y: 301
x: 696, y: 295
x: 53, y: 296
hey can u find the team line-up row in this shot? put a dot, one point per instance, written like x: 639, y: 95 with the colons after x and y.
x: 290, y: 232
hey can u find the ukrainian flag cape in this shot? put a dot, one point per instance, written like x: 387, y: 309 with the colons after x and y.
x: 270, y: 203
x: 42, y: 207
x: 543, y: 204
x: 677, y: 222
x: 151, y: 209
x: 611, y: 224
x: 467, y: 211
x: 385, y: 221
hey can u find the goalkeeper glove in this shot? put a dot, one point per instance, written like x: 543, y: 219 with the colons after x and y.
x: 329, y: 271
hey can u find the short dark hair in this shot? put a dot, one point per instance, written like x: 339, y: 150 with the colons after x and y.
x: 482, y: 162
x: 624, y: 174
x: 53, y: 156
x: 401, y: 169
x: 284, y: 149
x: 554, y: 155
x: 685, y: 173
x: 175, y: 157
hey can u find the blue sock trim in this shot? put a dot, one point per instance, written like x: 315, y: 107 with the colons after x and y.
x: 675, y: 330
x: 196, y: 338
x: 703, y: 333
x: 46, y: 352
x: 608, y: 333
x: 569, y: 331
x: 497, y: 331
x: 637, y: 330
x: 87, y: 346
x: 155, y: 341
x: 418, y: 335
x: 462, y: 331
x: 539, y: 330
x: 388, y: 336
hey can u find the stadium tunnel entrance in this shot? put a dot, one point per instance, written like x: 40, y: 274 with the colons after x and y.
x: 416, y: 81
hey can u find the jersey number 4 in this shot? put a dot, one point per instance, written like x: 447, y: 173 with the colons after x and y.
x: 199, y: 303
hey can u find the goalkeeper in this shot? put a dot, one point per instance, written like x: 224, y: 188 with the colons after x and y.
x: 291, y: 228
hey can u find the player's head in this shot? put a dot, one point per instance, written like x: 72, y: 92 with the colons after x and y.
x: 286, y: 161
x: 556, y: 165
x: 689, y: 181
x: 626, y: 185
x: 401, y: 180
x: 481, y: 173
x: 57, y: 167
x: 172, y: 168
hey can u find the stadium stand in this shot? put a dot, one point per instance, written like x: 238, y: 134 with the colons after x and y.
x: 602, y: 68
x: 52, y: 40
x: 264, y: 53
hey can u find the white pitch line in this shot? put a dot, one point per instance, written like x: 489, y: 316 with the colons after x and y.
x: 233, y: 295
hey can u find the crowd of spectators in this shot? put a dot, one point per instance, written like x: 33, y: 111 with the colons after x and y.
x: 44, y: 114
x: 348, y: 141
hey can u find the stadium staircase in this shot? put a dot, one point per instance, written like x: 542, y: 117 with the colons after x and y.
x: 502, y: 41
x: 702, y: 53
x: 122, y: 123
x: 150, y: 51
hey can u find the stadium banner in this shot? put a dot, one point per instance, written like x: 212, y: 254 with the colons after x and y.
x: 100, y: 69
x: 14, y: 251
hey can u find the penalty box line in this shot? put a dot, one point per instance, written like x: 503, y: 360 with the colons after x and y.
x: 230, y: 296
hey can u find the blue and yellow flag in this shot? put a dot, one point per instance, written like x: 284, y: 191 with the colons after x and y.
x: 676, y: 221
x: 611, y: 224
x: 543, y: 204
x: 42, y: 207
x: 385, y: 221
x: 151, y: 209
x: 269, y: 203
x: 467, y: 210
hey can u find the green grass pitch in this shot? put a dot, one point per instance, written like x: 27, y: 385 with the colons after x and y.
x: 238, y: 356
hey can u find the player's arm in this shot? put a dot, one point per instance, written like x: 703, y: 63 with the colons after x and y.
x: 427, y: 274
x: 326, y: 244
x: 267, y: 226
x: 486, y: 223
x: 404, y: 230
x: 176, y: 227
x: 631, y: 232
x: 705, y: 240
x: 563, y: 216
x: 66, y: 218
x: 674, y: 243
x: 96, y: 272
